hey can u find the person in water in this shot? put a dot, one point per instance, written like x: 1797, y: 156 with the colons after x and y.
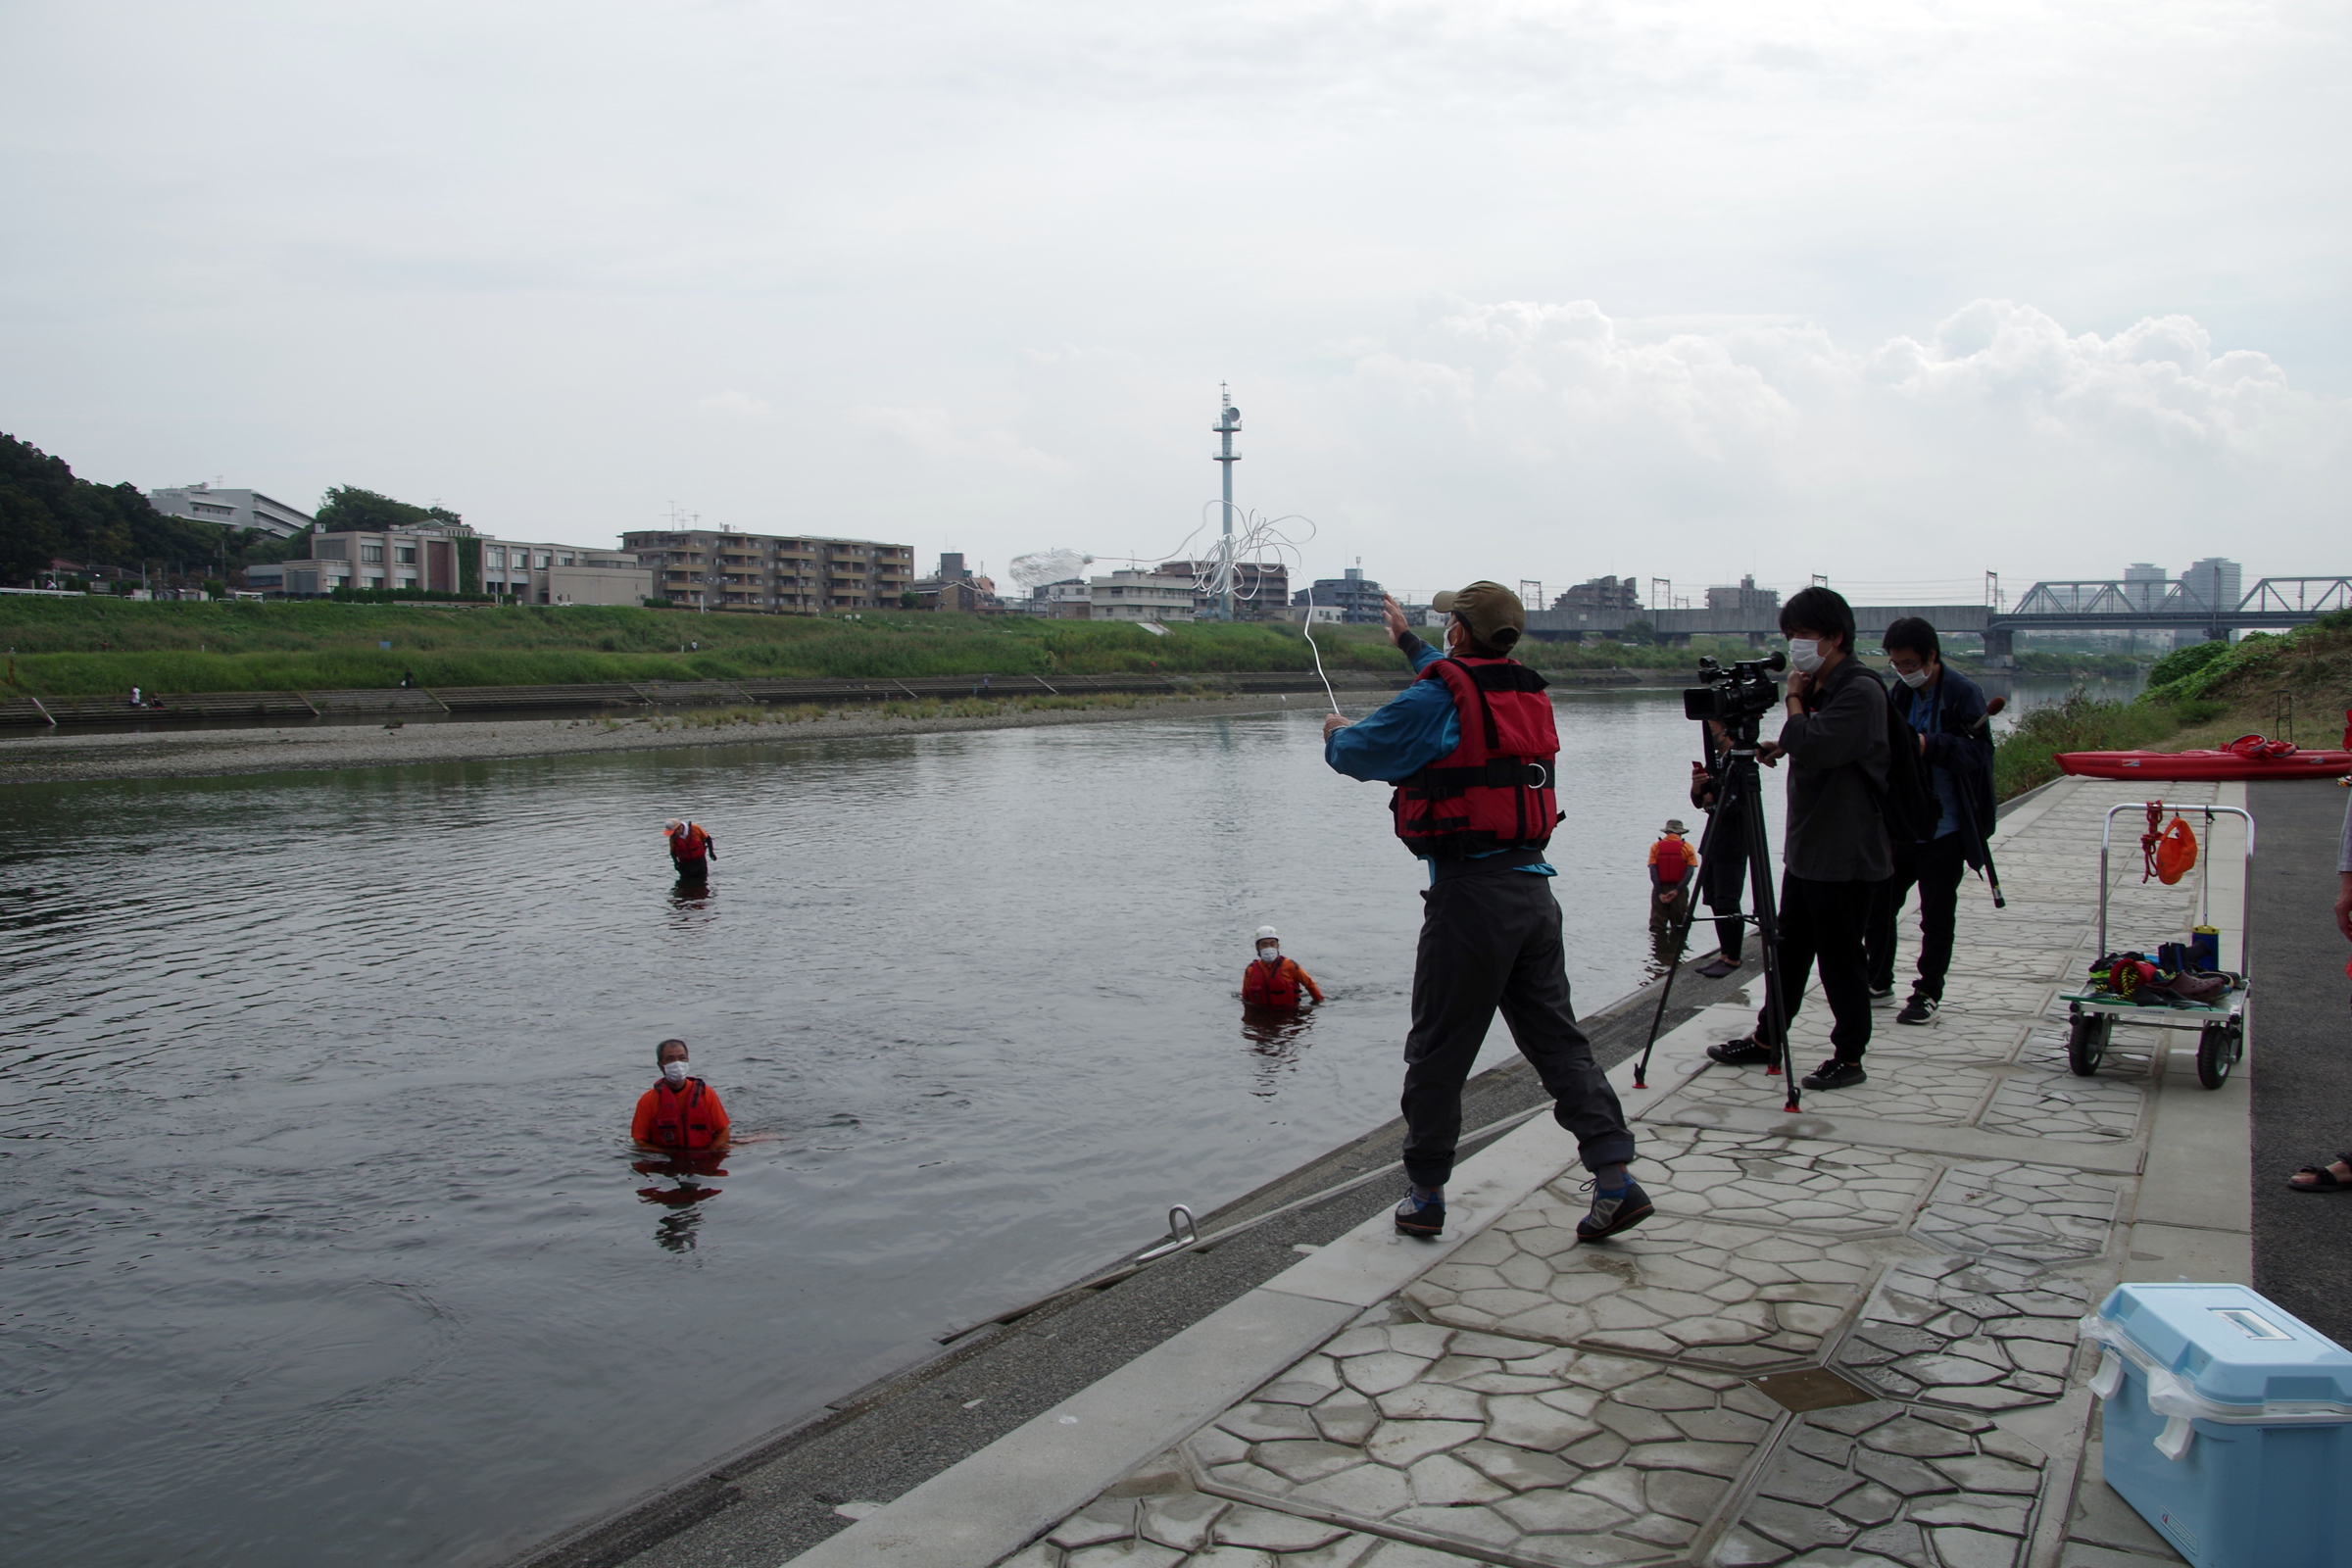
x: 1470, y: 747
x: 1275, y: 981
x: 691, y: 850
x: 680, y: 1114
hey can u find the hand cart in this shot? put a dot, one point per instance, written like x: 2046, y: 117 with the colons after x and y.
x: 2220, y: 1025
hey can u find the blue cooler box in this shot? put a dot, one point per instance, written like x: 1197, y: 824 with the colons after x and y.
x: 2228, y: 1425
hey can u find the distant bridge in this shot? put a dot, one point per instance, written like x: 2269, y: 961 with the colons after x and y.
x: 2085, y: 604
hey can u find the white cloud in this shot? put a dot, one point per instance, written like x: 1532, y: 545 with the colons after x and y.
x: 735, y: 403
x: 935, y: 432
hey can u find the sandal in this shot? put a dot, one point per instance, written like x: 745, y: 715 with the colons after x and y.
x: 2323, y: 1180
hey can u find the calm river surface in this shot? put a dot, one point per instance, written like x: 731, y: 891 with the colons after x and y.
x: 324, y: 1242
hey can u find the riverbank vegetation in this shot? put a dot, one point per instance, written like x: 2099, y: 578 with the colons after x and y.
x: 95, y: 646
x: 2291, y: 687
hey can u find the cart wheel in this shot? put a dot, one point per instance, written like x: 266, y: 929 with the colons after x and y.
x: 2086, y: 1042
x: 2219, y: 1045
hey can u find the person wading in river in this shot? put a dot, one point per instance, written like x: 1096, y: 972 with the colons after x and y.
x: 690, y: 848
x: 680, y: 1114
x: 1470, y: 748
x: 1275, y: 981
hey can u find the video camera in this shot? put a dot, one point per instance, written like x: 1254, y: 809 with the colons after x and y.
x: 1735, y: 694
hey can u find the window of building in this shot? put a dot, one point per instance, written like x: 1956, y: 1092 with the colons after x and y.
x: 495, y: 558
x: 406, y: 555
x: 542, y: 560
x: 372, y: 581
x: 562, y: 560
x: 371, y: 553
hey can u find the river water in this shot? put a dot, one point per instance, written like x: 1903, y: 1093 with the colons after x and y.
x: 325, y: 1240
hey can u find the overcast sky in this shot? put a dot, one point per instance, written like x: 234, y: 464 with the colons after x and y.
x: 1892, y: 292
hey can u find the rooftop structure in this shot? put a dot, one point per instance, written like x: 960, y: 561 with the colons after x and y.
x: 1623, y: 594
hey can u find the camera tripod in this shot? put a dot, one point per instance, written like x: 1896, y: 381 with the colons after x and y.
x: 1739, y: 795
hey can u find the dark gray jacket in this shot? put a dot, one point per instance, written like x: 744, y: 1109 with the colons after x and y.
x: 1836, y: 833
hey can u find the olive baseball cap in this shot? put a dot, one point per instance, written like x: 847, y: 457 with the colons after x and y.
x: 1491, y: 612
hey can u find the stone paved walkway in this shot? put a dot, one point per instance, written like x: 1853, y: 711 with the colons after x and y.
x: 1917, y: 1251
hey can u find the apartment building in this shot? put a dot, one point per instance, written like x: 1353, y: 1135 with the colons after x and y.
x: 1139, y: 596
x: 230, y: 508
x: 1357, y: 597
x: 454, y: 558
x: 1261, y: 589
x: 722, y: 569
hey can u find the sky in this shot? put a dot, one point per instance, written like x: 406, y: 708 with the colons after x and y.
x: 1896, y: 293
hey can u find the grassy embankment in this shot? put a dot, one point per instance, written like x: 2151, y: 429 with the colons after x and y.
x: 98, y: 646
x: 2198, y: 696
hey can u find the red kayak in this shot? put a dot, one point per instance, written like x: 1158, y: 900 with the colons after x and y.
x: 2249, y: 757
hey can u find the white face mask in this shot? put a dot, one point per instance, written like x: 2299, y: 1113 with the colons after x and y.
x: 1914, y: 678
x: 676, y: 1072
x: 1806, y: 653
x: 1270, y: 955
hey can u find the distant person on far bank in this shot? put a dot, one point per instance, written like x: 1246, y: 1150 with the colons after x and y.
x: 1947, y: 712
x: 1470, y: 747
x: 680, y: 1114
x: 691, y: 850
x: 1274, y: 981
x: 1673, y: 866
x: 1835, y: 737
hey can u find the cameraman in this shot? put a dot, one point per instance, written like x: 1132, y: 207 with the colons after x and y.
x: 1835, y: 737
x: 1947, y: 712
x: 1724, y: 872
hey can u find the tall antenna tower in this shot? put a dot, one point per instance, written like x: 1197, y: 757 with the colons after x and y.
x: 1229, y: 419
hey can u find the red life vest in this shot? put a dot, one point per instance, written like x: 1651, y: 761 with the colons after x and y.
x: 1276, y: 986
x: 689, y: 843
x: 1494, y: 791
x: 679, y: 1120
x: 1674, y: 861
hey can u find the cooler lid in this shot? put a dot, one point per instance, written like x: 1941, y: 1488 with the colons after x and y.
x: 2233, y: 1352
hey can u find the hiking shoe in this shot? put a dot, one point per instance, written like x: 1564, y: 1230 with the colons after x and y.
x: 1836, y: 1073
x: 1919, y: 1010
x: 1420, y: 1216
x: 1880, y: 995
x: 1614, y: 1211
x: 1742, y: 1052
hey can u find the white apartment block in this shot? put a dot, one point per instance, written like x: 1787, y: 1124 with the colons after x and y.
x: 230, y: 508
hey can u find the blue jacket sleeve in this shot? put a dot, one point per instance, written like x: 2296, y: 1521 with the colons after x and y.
x: 1407, y: 733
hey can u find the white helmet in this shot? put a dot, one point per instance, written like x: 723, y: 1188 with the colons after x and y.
x: 1266, y: 933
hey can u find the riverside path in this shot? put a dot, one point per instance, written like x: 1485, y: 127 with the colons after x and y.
x: 1508, y: 1397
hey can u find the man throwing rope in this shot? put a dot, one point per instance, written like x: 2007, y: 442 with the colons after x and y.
x: 1470, y: 748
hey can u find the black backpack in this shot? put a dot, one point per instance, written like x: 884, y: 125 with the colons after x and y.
x: 1908, y: 806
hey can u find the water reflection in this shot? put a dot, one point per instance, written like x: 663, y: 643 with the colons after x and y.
x: 1277, y: 1039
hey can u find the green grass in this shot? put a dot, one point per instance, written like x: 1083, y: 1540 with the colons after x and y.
x: 98, y: 646
x: 2028, y: 754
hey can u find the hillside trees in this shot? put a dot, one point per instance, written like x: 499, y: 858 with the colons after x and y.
x: 46, y: 511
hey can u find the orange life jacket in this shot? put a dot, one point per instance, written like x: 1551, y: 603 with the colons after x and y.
x: 689, y: 1117
x: 689, y: 843
x: 1494, y: 791
x: 1273, y: 985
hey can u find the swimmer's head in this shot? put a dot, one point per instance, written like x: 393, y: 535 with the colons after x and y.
x: 1270, y: 942
x: 670, y: 1056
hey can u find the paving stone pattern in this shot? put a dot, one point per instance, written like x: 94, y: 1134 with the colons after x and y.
x: 1535, y: 1403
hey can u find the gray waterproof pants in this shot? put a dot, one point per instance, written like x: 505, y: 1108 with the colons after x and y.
x: 1488, y: 940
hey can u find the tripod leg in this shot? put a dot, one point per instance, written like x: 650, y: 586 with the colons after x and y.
x: 1768, y: 936
x: 1682, y: 938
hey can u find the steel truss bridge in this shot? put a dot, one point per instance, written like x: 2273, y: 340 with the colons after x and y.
x: 2274, y: 604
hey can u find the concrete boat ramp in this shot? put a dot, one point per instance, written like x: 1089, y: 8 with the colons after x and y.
x: 1508, y: 1397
